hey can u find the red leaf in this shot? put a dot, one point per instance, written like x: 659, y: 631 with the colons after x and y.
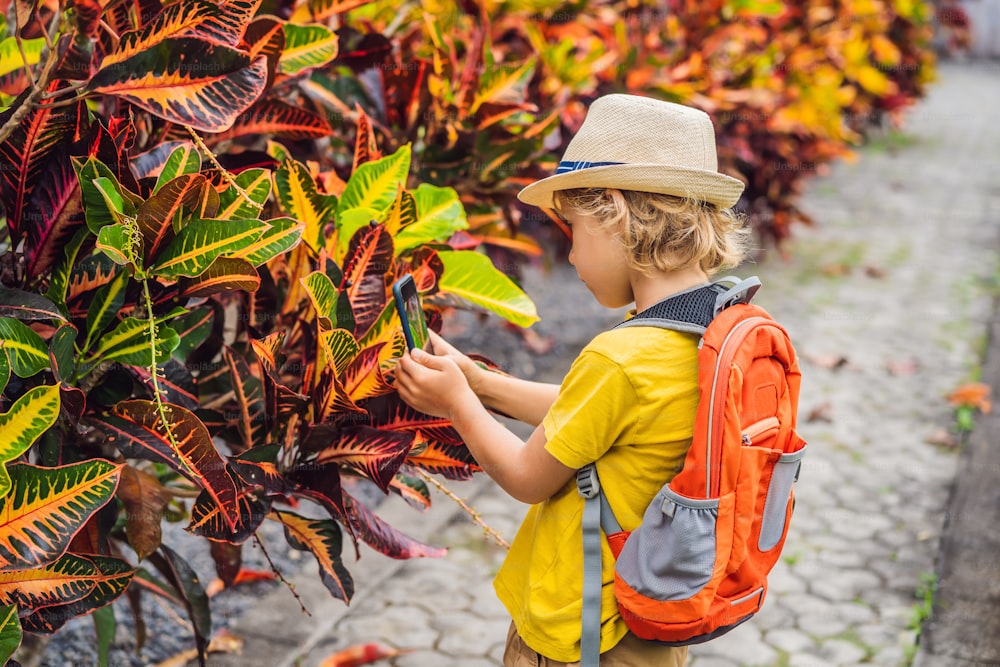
x: 362, y: 654
x: 137, y: 430
x: 366, y: 269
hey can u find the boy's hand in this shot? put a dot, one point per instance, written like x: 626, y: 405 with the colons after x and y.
x: 433, y: 384
x: 470, y: 369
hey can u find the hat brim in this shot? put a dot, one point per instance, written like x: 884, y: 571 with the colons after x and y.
x: 710, y: 186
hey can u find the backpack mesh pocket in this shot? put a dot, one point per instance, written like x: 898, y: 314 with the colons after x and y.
x: 779, y: 492
x: 672, y: 555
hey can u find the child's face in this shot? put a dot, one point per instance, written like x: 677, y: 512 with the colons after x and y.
x: 600, y: 260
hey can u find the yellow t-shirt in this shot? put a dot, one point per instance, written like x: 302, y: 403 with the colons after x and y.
x: 628, y: 402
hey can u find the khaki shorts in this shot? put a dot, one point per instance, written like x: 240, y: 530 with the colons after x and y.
x: 630, y: 652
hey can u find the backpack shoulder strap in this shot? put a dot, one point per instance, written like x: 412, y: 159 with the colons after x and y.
x: 692, y: 310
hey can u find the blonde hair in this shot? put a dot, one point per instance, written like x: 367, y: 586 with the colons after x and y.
x: 663, y: 232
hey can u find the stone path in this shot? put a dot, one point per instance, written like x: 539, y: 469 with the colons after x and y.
x: 887, y: 299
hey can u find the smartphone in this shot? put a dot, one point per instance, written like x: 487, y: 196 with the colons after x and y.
x: 410, y: 312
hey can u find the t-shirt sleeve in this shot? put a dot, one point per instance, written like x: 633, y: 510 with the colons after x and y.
x: 596, y: 407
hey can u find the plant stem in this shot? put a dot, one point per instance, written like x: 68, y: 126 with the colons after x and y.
x: 225, y: 173
x: 154, y: 374
x: 476, y: 517
x: 277, y: 572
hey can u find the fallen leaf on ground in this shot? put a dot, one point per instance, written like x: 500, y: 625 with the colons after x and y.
x: 942, y: 438
x: 821, y: 413
x: 224, y: 642
x: 244, y: 576
x: 835, y: 270
x: 362, y: 654
x: 973, y: 395
x: 875, y: 272
x: 902, y: 367
x: 830, y: 361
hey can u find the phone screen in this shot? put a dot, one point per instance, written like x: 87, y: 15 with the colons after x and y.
x: 411, y: 313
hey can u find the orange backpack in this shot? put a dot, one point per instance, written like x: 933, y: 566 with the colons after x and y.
x: 697, y: 565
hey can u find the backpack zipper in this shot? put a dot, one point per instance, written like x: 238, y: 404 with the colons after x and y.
x: 757, y: 429
x: 716, y: 406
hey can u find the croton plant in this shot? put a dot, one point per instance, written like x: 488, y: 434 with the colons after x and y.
x: 195, y: 320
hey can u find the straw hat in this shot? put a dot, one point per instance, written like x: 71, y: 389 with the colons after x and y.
x: 639, y: 143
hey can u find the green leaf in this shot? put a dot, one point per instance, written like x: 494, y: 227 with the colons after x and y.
x: 306, y: 47
x: 95, y: 206
x: 472, y: 277
x: 62, y: 353
x: 323, y: 295
x: 201, y: 241
x: 283, y: 235
x: 59, y: 282
x: 374, y: 185
x: 233, y: 205
x: 193, y: 329
x: 23, y: 305
x: 105, y: 625
x: 439, y: 215
x: 105, y: 306
x: 129, y: 343
x: 348, y: 223
x: 299, y: 199
x: 26, y: 349
x: 4, y: 368
x: 30, y: 416
x: 10, y: 632
x: 182, y: 160
x: 113, y: 241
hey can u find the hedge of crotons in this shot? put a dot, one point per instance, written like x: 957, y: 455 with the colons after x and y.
x: 205, y: 205
x: 495, y: 94
x: 196, y: 313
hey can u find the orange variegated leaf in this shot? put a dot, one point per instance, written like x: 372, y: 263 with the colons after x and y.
x: 111, y: 579
x: 219, y: 23
x: 365, y: 148
x: 47, y: 507
x: 450, y: 460
x: 375, y: 453
x: 156, y: 216
x: 208, y: 520
x: 249, y: 394
x: 330, y: 398
x: 363, y: 376
x: 324, y: 539
x: 225, y: 274
x: 280, y: 120
x: 368, y: 267
x: 65, y: 580
x: 317, y: 10
x: 338, y: 348
x: 187, y: 81
x: 390, y: 412
x: 266, y: 350
x: 137, y: 430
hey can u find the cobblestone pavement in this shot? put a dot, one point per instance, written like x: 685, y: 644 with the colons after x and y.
x: 886, y: 298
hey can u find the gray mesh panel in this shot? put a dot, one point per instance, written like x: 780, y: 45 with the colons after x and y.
x: 671, y: 556
x: 779, y: 491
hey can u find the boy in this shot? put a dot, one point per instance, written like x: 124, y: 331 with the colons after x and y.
x: 640, y: 190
